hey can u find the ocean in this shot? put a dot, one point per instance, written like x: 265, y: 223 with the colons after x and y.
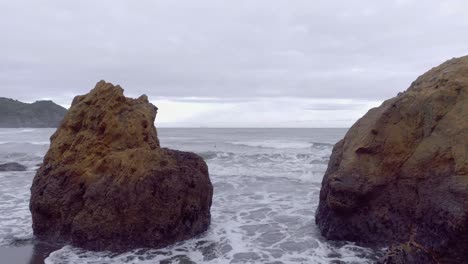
x: 266, y: 189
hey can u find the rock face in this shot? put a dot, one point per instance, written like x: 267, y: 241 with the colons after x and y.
x: 400, y: 175
x: 12, y: 166
x: 106, y: 184
x: 39, y: 114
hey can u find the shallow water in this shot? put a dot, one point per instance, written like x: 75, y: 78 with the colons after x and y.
x: 266, y: 188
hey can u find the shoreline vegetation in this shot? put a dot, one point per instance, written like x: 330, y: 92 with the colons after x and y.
x: 40, y: 114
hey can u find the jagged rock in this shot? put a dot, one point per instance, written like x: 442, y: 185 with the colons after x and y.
x: 106, y: 184
x: 12, y: 166
x: 400, y: 175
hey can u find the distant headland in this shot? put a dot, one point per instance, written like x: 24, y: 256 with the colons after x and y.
x: 14, y: 113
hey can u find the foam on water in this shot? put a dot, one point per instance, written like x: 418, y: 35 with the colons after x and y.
x: 15, y: 218
x: 312, y: 167
x: 278, y: 144
x: 255, y: 220
x: 264, y: 201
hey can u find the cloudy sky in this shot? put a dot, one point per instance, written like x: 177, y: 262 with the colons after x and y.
x: 247, y: 63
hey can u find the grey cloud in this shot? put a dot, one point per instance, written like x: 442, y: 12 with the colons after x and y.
x: 367, y: 50
x: 335, y: 106
x: 207, y: 99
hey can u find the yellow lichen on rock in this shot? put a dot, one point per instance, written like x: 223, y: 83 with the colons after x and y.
x: 106, y: 184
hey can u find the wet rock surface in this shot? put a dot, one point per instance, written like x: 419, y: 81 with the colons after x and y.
x: 12, y: 166
x: 407, y: 253
x: 400, y: 175
x: 107, y: 184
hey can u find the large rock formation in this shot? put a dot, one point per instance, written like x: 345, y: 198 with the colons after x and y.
x: 400, y: 175
x: 106, y: 184
x: 38, y: 114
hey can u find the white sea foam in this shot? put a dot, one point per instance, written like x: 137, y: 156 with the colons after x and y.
x: 15, y: 218
x: 296, y: 166
x: 277, y: 144
x: 255, y: 220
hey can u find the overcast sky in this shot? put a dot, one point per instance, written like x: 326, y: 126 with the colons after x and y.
x: 273, y: 63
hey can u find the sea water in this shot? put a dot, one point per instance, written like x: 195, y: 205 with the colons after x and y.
x: 266, y: 189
